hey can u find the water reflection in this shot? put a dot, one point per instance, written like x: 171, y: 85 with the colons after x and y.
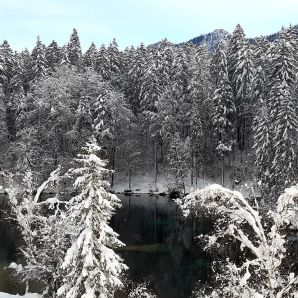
x: 8, y: 253
x: 160, y: 246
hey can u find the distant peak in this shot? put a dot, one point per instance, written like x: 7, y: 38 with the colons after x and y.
x: 212, y: 39
x: 220, y: 31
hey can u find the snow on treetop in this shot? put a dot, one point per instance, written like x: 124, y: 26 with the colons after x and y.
x: 207, y: 194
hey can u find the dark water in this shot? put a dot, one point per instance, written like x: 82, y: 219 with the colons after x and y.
x: 8, y: 253
x: 159, y: 247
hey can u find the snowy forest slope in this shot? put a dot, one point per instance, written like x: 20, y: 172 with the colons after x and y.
x: 183, y: 111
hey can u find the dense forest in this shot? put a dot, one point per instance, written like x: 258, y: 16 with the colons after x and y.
x: 174, y: 108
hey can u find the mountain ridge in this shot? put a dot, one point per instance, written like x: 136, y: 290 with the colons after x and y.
x: 213, y: 38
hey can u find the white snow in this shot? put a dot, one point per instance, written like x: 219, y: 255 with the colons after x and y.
x: 16, y: 267
x: 29, y: 295
x: 143, y: 183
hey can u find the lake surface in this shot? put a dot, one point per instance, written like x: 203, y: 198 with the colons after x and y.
x: 160, y: 247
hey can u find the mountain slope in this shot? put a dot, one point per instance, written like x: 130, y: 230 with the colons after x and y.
x: 212, y: 39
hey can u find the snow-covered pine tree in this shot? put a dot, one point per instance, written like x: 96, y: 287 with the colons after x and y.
x: 261, y: 53
x: 234, y: 46
x: 164, y: 59
x: 168, y: 118
x: 89, y: 58
x: 16, y: 82
x: 180, y: 69
x: 39, y: 60
x: 241, y: 74
x: 102, y: 63
x: 114, y: 57
x: 283, y: 113
x: 92, y: 268
x: 64, y: 57
x: 15, y: 98
x: 26, y: 64
x: 53, y: 55
x: 10, y: 81
x: 3, y: 127
x: 196, y: 130
x: 284, y: 130
x: 283, y: 64
x: 262, y: 134
x: 157, y: 76
x: 74, y: 51
x: 150, y: 88
x: 6, y: 67
x: 116, y: 65
x: 224, y: 110
x: 112, y: 124
x: 177, y: 158
x: 167, y: 127
x: 135, y: 72
x: 200, y: 107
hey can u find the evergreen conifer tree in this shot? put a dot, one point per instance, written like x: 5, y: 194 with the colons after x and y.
x: 53, y: 55
x: 92, y: 268
x: 74, y: 51
x: 89, y: 58
x: 241, y: 74
x: 224, y: 110
x: 102, y: 63
x: 39, y: 60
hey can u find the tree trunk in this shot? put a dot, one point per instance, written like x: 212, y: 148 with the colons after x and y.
x: 223, y: 171
x: 113, y: 165
x: 161, y: 152
x: 192, y: 168
x: 129, y: 179
x: 155, y: 222
x: 155, y: 164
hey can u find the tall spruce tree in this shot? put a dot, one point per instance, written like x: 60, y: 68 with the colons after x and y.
x: 92, y: 268
x: 180, y: 69
x: 284, y: 127
x: 283, y: 113
x: 74, y: 51
x: 135, y: 73
x: 26, y: 64
x: 241, y: 74
x: 53, y: 55
x: 64, y: 57
x: 224, y: 110
x: 102, y: 63
x: 39, y: 60
x: 89, y: 58
x: 115, y: 64
x: 263, y: 140
x: 6, y: 67
x: 198, y: 97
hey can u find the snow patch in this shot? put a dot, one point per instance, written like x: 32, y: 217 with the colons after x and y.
x: 29, y: 295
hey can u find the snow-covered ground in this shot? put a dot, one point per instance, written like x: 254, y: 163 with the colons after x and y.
x: 144, y: 183
x: 29, y: 295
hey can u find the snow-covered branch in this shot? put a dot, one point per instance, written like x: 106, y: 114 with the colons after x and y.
x: 261, y: 274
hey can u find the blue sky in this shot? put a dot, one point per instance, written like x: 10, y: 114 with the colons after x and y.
x: 135, y: 21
